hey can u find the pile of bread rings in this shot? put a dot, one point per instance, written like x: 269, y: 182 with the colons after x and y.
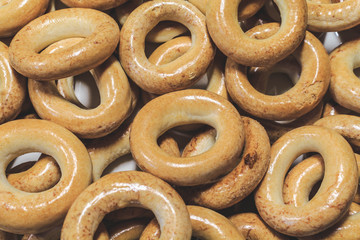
x: 234, y: 177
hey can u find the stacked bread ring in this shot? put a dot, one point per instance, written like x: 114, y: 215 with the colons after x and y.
x: 189, y: 91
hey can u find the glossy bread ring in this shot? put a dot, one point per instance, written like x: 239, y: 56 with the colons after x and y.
x: 178, y: 74
x: 254, y: 228
x: 17, y: 13
x: 124, y: 189
x: 94, y: 4
x: 247, y: 8
x: 23, y: 212
x: 336, y: 192
x: 222, y: 20
x: 344, y: 84
x: 206, y: 224
x: 181, y: 108
x: 114, y: 108
x: 333, y: 17
x: 101, y: 36
x: 242, y: 180
x: 298, y: 185
x: 12, y: 88
x: 297, y: 101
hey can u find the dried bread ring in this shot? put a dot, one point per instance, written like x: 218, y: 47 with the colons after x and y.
x: 14, y: 14
x: 297, y: 101
x: 344, y: 84
x: 115, y: 106
x: 206, y: 224
x: 178, y: 74
x: 222, y: 22
x: 94, y: 4
x: 254, y: 228
x: 23, y: 212
x: 332, y: 17
x: 298, y: 185
x: 101, y: 36
x: 12, y: 88
x: 187, y: 107
x: 246, y: 10
x: 242, y: 180
x: 124, y: 189
x: 336, y: 192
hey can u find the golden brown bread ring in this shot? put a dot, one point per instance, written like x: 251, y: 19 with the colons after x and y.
x: 247, y: 8
x: 334, y: 196
x: 242, y: 180
x: 333, y: 16
x: 180, y: 108
x: 206, y: 224
x: 101, y: 36
x: 222, y: 22
x: 123, y: 189
x: 344, y: 84
x: 12, y: 88
x: 23, y: 212
x: 115, y: 106
x: 94, y: 4
x: 253, y: 227
x: 179, y: 74
x: 298, y: 185
x: 297, y: 101
x: 15, y: 14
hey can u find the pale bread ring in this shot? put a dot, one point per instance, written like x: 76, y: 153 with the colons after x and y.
x: 337, y: 190
x: 12, y: 88
x: 178, y: 74
x: 123, y: 189
x: 23, y: 212
x: 297, y: 101
x: 222, y: 22
x: 101, y: 36
x: 187, y: 107
x: 15, y: 14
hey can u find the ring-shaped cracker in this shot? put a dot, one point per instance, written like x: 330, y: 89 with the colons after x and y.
x: 187, y: 107
x: 297, y: 101
x: 333, y: 17
x: 222, y: 22
x: 101, y: 36
x: 124, y: 189
x: 12, y: 88
x: 22, y: 212
x: 15, y: 14
x: 114, y: 108
x: 344, y: 84
x: 178, y: 74
x: 242, y: 180
x: 336, y: 192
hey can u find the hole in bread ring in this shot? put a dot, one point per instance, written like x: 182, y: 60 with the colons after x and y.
x: 336, y: 191
x: 297, y: 101
x: 94, y: 4
x: 101, y: 36
x: 12, y: 88
x: 187, y: 107
x: 14, y: 14
x: 22, y: 212
x: 126, y: 189
x: 225, y: 31
x: 178, y: 74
